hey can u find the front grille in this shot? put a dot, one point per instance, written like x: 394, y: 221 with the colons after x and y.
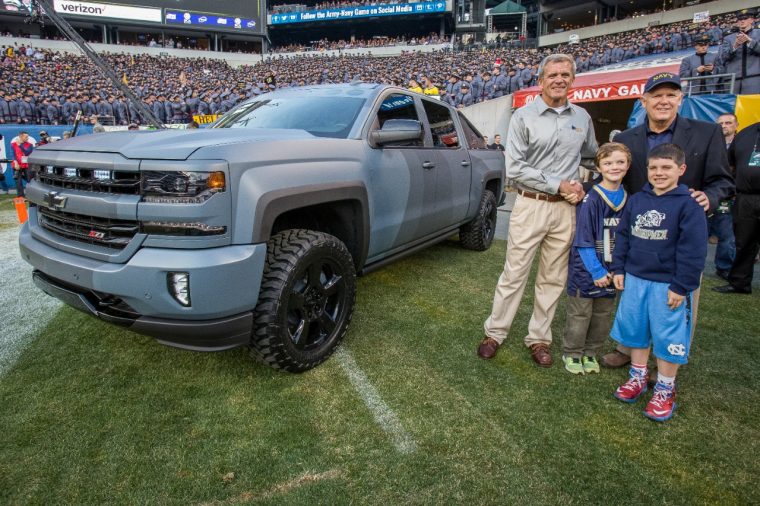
x: 110, y: 233
x: 92, y: 180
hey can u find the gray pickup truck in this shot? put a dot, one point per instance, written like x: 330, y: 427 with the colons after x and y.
x: 252, y: 232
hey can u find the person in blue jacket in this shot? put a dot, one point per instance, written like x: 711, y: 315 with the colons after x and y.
x: 660, y: 251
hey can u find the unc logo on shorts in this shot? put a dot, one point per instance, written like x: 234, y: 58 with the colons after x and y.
x: 678, y: 350
x: 649, y: 219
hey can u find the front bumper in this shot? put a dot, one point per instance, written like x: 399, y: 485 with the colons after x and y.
x: 224, y: 285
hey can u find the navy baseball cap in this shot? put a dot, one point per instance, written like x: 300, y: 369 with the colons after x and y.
x: 660, y: 79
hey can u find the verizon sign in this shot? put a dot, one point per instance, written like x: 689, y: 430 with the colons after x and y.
x: 102, y: 10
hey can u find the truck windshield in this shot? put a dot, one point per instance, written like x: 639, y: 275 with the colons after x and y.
x: 320, y: 116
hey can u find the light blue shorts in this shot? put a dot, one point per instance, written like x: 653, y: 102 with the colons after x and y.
x: 643, y: 318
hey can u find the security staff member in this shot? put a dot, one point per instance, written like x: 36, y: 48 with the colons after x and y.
x: 740, y: 54
x: 744, y: 156
x: 701, y: 64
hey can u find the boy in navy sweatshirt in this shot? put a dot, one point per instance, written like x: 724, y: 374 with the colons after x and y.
x: 658, y: 260
x: 591, y: 294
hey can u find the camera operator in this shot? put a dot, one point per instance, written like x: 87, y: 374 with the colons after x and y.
x: 740, y: 53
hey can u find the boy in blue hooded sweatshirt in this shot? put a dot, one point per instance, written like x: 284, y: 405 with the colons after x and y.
x: 660, y: 251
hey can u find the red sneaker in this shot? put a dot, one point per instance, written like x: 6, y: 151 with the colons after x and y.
x: 662, y: 404
x: 632, y: 389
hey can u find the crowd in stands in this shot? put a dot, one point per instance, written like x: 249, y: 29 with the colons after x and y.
x: 304, y: 6
x: 339, y: 45
x: 45, y: 87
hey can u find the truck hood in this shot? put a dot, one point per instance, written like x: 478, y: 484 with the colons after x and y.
x: 169, y: 144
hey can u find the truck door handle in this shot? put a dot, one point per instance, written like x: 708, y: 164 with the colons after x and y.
x: 428, y: 165
x: 465, y: 163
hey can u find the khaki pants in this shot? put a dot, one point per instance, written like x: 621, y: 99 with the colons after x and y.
x: 587, y: 326
x: 534, y: 223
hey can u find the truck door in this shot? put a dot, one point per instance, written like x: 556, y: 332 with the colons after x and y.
x: 453, y: 171
x: 402, y: 182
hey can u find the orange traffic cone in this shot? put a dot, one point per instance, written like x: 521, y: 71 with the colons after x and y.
x: 20, y: 203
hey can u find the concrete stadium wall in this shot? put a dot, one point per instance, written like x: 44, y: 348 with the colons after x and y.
x: 491, y: 117
x: 70, y: 47
x: 663, y: 18
x: 234, y: 59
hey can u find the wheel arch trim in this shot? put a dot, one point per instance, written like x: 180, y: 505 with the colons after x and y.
x: 274, y: 203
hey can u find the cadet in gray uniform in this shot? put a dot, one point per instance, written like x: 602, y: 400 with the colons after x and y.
x: 740, y: 54
x: 701, y: 64
x: 464, y: 97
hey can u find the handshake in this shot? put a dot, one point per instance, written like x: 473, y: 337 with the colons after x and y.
x: 571, y: 191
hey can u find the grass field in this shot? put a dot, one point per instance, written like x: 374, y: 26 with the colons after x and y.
x: 405, y: 413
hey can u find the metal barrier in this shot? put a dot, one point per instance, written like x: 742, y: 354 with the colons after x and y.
x: 718, y: 84
x: 106, y: 120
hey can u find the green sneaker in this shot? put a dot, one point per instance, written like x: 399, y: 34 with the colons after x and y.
x: 590, y: 365
x: 573, y: 365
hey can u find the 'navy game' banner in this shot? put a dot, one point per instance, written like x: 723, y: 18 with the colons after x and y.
x: 205, y: 19
x: 358, y: 12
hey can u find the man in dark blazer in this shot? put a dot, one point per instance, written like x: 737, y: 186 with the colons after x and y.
x: 707, y: 170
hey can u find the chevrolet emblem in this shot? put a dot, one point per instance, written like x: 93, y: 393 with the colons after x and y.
x: 54, y: 201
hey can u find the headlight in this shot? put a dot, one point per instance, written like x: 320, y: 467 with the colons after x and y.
x: 181, y: 187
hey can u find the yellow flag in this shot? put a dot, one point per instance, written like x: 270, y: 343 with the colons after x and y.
x: 132, y: 60
x: 22, y: 66
x: 124, y: 78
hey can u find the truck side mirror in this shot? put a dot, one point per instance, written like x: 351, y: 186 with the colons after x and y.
x: 396, y: 131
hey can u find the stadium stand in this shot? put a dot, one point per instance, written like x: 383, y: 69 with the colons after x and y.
x: 45, y: 86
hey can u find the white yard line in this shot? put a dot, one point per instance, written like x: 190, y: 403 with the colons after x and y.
x: 24, y: 308
x: 385, y: 417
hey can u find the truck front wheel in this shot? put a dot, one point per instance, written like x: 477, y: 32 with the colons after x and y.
x: 306, y: 300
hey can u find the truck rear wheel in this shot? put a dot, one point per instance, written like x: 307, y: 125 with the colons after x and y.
x: 306, y: 300
x: 478, y: 234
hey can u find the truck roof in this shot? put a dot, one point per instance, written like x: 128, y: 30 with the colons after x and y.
x: 355, y: 89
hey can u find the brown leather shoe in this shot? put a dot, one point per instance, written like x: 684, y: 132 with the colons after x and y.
x: 541, y: 355
x: 615, y: 360
x: 488, y: 347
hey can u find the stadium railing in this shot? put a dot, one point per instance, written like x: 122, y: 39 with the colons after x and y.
x: 707, y: 85
x: 234, y: 59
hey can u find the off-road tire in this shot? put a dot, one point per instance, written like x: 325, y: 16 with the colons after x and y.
x: 478, y: 234
x: 306, y: 300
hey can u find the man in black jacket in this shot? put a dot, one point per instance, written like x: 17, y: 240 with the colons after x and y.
x: 707, y: 171
x: 744, y: 156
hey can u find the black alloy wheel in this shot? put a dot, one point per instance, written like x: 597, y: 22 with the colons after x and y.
x: 478, y: 234
x: 306, y: 300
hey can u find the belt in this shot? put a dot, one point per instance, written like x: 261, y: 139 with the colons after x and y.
x: 540, y: 196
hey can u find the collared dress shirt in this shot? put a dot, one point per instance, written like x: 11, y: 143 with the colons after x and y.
x: 545, y: 147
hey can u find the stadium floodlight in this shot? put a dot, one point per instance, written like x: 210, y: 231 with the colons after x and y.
x: 41, y: 9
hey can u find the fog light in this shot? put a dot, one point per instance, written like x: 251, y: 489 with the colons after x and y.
x: 179, y: 287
